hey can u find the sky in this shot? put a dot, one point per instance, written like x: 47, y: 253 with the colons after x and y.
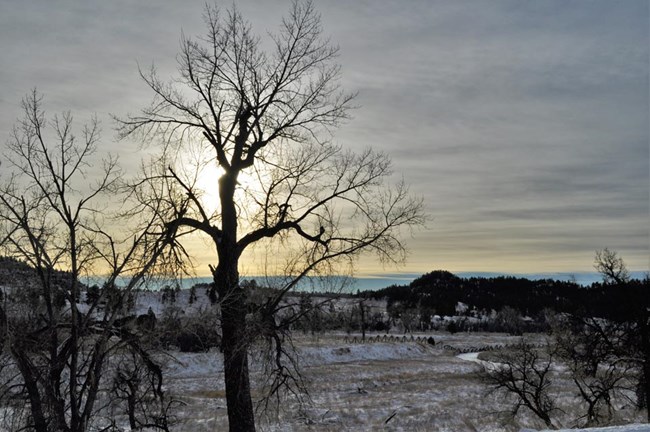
x: 524, y: 125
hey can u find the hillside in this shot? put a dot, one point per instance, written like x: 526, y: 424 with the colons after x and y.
x: 441, y: 291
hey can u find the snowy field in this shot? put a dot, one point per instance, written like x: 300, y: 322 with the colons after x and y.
x: 390, y: 386
x: 380, y: 386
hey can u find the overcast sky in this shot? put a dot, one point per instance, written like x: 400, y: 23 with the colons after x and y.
x: 523, y: 124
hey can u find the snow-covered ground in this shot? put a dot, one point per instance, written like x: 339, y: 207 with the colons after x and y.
x: 474, y: 357
x: 381, y: 386
x: 368, y: 387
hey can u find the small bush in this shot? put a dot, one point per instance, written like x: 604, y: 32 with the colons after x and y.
x: 198, y: 333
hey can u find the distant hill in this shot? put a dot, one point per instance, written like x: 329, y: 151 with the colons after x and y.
x: 441, y: 291
x: 16, y: 274
x: 9, y: 263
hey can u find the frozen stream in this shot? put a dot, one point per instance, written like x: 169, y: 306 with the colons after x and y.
x: 473, y: 357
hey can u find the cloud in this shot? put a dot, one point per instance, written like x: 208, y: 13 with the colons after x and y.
x: 524, y: 125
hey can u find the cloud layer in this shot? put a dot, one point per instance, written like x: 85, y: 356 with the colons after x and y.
x: 523, y: 124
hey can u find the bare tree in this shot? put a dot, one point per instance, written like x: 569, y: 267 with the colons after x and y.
x: 523, y: 373
x: 637, y: 316
x: 596, y: 353
x: 510, y: 320
x: 265, y: 118
x: 51, y: 220
x: 611, y: 266
x: 599, y: 390
x: 137, y: 390
x: 642, y: 354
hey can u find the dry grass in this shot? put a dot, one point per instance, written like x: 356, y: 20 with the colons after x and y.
x: 428, y: 390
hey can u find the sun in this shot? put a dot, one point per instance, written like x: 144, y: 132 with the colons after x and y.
x: 206, y: 183
x: 205, y: 179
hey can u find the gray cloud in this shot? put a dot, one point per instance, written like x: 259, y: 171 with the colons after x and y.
x: 523, y: 124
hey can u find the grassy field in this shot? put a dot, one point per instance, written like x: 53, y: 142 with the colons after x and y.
x: 392, y: 386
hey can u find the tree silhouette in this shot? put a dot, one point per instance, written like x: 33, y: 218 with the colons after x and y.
x: 265, y: 118
x: 611, y: 267
x: 52, y: 217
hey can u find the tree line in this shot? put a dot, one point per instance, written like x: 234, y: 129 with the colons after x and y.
x: 441, y: 291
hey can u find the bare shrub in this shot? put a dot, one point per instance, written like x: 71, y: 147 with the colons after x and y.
x: 137, y: 391
x: 196, y: 333
x: 523, y: 374
x: 595, y: 352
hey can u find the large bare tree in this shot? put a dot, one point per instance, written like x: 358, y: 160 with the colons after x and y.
x: 265, y: 113
x: 54, y: 219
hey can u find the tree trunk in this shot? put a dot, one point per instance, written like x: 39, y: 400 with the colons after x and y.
x: 645, y: 349
x: 547, y: 419
x: 363, y: 321
x: 232, y: 300
x: 36, y: 407
x: 235, y: 349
